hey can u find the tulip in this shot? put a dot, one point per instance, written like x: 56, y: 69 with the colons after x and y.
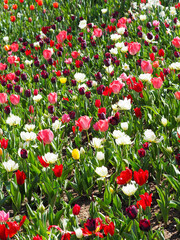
x: 14, y: 99
x: 141, y: 176
x: 58, y: 170
x: 3, y: 98
x: 76, y: 209
x: 46, y: 136
x: 144, y: 225
x: 20, y: 176
x: 132, y: 212
x: 76, y: 154
x: 134, y: 48
x: 83, y: 123
x: 124, y: 177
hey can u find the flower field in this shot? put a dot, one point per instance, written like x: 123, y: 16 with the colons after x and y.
x: 89, y: 119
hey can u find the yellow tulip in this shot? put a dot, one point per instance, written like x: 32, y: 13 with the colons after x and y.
x: 76, y: 154
x: 63, y: 80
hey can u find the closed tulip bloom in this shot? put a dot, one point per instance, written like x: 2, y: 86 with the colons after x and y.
x: 176, y: 42
x: 132, y: 212
x: 20, y: 177
x: 3, y: 98
x: 141, y: 176
x: 97, y: 32
x: 124, y: 177
x: 4, y: 216
x: 61, y: 37
x: 58, y: 170
x: 129, y: 189
x: 134, y: 48
x: 116, y: 86
x: 177, y: 95
x: 46, y: 136
x: 14, y: 99
x: 76, y: 154
x: 47, y: 54
x: 52, y: 97
x: 103, y: 125
x: 146, y: 67
x: 144, y: 225
x: 83, y: 123
x: 157, y: 82
x: 76, y: 209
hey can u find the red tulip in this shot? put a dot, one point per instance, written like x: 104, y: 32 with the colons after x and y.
x: 141, y: 152
x: 61, y: 37
x: 145, y: 201
x: 47, y: 54
x: 37, y: 237
x: 177, y: 95
x: 109, y: 229
x: 11, y: 59
x: 124, y: 177
x: 76, y: 209
x: 103, y: 125
x: 176, y: 42
x: 14, y: 99
x: 43, y: 163
x: 98, y: 103
x: 161, y: 52
x: 75, y: 54
x: 138, y: 112
x: 3, y: 98
x: 46, y: 136
x: 2, y: 67
x: 20, y: 176
x: 141, y: 176
x: 83, y: 123
x: 97, y: 32
x: 152, y: 56
x: 144, y: 225
x: 134, y: 48
x: 146, y: 67
x: 14, y: 227
x: 52, y: 98
x: 58, y: 170
x: 31, y: 109
x: 65, y: 118
x: 4, y: 143
x: 157, y: 82
x: 116, y: 86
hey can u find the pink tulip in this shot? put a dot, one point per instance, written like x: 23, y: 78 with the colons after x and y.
x: 146, y: 67
x: 11, y: 59
x: 14, y: 99
x: 177, y: 95
x: 116, y: 86
x: 75, y: 54
x: 46, y: 136
x: 61, y: 37
x: 157, y: 82
x: 2, y: 66
x: 52, y: 98
x: 83, y: 123
x: 176, y: 42
x: 3, y: 98
x: 65, y: 118
x: 134, y: 48
x: 10, y: 76
x: 156, y: 23
x: 97, y: 32
x: 47, y: 54
x: 68, y: 61
x: 4, y: 216
x: 103, y: 125
x: 14, y: 47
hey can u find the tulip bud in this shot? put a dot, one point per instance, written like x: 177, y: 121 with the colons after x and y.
x: 132, y: 212
x: 79, y: 233
x: 41, y: 207
x: 76, y: 154
x: 1, y: 132
x: 31, y: 109
x: 1, y: 152
x: 76, y: 209
x: 124, y: 125
x: 164, y: 121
